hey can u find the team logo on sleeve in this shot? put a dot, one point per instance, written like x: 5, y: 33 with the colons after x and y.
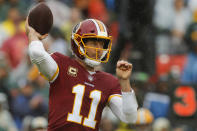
x: 72, y: 71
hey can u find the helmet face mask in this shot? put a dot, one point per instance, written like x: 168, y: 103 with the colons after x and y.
x: 89, y: 30
x: 82, y: 47
x: 104, y: 41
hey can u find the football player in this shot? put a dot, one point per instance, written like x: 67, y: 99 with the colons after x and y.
x: 78, y: 93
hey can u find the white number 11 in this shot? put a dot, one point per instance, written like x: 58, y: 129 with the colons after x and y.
x: 75, y: 116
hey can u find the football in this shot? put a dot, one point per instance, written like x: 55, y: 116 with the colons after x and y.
x: 40, y: 18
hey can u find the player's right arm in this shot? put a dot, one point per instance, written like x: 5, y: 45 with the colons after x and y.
x: 45, y: 63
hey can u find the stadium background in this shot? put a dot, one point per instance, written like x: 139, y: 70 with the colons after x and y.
x: 159, y: 37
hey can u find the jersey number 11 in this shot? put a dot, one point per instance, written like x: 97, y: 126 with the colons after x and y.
x: 75, y: 116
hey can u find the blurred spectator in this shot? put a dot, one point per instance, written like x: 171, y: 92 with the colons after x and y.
x: 171, y: 25
x: 27, y: 3
x: 6, y: 120
x: 162, y: 18
x: 190, y: 70
x: 15, y: 47
x: 4, y: 7
x: 13, y: 22
x: 161, y: 124
x: 20, y: 5
x: 26, y: 124
x: 113, y: 30
x: 67, y: 27
x: 11, y: 25
x: 106, y: 125
x: 192, y: 5
x: 183, y: 127
x: 182, y: 18
x: 158, y: 102
x: 189, y: 74
x: 70, y: 3
x: 58, y: 42
x: 135, y: 31
x: 144, y: 120
x: 61, y: 12
x: 124, y: 127
x: 17, y: 41
x: 7, y: 84
x: 110, y: 5
x: 28, y: 102
x: 163, y: 22
x: 22, y: 70
x: 97, y: 10
x: 42, y: 87
x: 82, y: 5
x: 39, y: 124
x: 41, y: 84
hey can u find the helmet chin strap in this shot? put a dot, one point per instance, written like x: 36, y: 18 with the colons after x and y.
x: 91, y: 63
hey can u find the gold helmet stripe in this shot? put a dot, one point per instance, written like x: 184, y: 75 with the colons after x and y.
x: 100, y: 26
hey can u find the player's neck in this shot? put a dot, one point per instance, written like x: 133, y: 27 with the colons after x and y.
x: 89, y: 68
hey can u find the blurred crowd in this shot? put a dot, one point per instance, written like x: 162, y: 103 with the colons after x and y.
x: 158, y: 36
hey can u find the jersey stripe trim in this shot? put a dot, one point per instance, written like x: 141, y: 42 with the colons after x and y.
x: 111, y: 96
x: 44, y: 76
x: 54, y: 76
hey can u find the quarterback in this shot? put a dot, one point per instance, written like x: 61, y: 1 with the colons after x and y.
x: 78, y: 93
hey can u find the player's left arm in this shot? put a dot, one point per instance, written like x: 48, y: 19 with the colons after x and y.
x: 125, y: 107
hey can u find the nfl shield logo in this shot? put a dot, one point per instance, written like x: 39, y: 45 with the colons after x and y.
x: 90, y: 78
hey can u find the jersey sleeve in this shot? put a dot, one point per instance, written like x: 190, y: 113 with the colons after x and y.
x: 125, y: 107
x: 115, y: 90
x: 57, y: 57
x: 42, y: 59
x: 62, y: 62
x: 122, y: 104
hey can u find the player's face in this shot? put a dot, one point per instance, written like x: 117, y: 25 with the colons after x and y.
x: 94, y: 49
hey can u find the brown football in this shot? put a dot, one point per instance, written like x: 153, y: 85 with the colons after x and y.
x: 41, y: 18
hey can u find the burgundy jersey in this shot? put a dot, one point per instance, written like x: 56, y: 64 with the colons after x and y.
x: 77, y: 98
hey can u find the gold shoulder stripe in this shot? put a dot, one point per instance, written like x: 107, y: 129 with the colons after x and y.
x: 100, y: 26
x: 57, y: 71
x: 51, y: 77
x: 111, y: 96
x: 43, y: 76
